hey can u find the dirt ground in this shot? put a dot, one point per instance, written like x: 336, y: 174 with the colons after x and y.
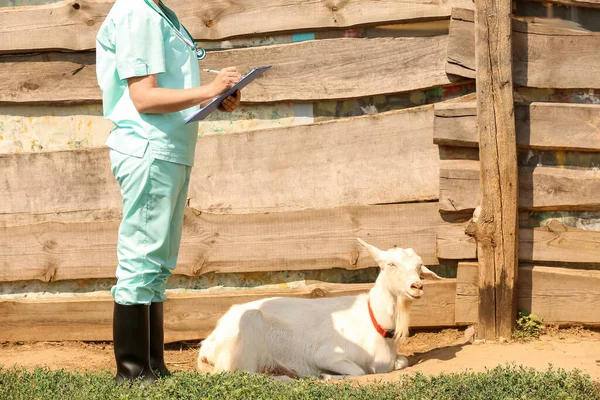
x: 428, y: 352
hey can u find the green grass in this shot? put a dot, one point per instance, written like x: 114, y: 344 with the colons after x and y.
x: 504, y: 382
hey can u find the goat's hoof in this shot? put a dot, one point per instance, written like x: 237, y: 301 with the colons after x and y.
x: 401, y: 363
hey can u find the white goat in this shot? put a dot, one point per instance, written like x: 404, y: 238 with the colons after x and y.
x: 331, y: 337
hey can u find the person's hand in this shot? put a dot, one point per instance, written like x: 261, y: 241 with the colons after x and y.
x: 226, y: 78
x: 231, y: 102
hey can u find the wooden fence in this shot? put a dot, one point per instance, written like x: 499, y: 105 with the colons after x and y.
x: 295, y: 198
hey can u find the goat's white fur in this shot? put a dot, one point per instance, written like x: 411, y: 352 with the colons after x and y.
x: 330, y: 337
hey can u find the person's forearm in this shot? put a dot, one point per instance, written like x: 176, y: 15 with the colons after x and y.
x: 160, y: 100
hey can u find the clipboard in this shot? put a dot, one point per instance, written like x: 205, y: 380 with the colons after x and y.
x: 212, y: 106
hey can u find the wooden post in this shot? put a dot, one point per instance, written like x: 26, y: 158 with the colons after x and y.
x: 496, y: 226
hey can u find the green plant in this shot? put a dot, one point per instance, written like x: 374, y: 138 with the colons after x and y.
x: 508, y: 382
x: 529, y: 326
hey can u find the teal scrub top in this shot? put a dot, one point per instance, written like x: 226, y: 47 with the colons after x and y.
x: 137, y: 39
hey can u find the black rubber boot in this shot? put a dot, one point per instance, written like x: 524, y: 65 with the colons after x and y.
x: 157, y: 340
x: 131, y: 336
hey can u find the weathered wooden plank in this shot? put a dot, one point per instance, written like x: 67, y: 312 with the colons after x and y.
x: 552, y: 126
x: 459, y: 185
x: 496, y: 227
x: 467, y: 293
x: 547, y: 188
x: 461, y: 44
x: 330, y: 164
x: 542, y: 126
x: 540, y: 188
x: 557, y: 242
x: 458, y: 153
x: 574, y: 3
x: 452, y: 243
x: 69, y: 25
x: 558, y: 295
x: 55, y: 182
x: 319, y: 69
x: 49, y: 77
x: 384, y: 158
x: 73, y: 24
x: 455, y: 124
x: 189, y: 316
x: 573, y: 54
x: 64, y: 249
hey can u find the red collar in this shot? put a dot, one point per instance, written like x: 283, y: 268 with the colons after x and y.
x: 383, y: 332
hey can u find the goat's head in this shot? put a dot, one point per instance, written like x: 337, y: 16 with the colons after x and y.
x: 401, y: 271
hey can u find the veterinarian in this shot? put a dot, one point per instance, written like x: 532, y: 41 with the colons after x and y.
x: 147, y: 68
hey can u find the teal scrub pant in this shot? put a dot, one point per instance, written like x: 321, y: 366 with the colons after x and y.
x: 154, y: 197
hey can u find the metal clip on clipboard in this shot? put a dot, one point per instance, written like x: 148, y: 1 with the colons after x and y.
x: 212, y: 106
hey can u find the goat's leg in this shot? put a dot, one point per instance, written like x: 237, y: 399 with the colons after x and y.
x: 401, y: 363
x: 238, y: 343
x: 206, y: 355
x: 340, y: 367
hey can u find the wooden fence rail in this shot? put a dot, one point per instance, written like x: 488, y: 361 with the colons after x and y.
x: 188, y: 316
x: 283, y: 241
x: 540, y: 126
x: 73, y: 24
x: 330, y: 164
x: 307, y: 71
x: 561, y: 295
x: 554, y: 242
x: 540, y: 188
x: 574, y: 3
x: 572, y: 53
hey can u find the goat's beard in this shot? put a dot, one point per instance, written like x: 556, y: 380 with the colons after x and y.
x: 403, y: 306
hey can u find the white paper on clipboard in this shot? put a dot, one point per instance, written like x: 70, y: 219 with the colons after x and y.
x: 212, y: 106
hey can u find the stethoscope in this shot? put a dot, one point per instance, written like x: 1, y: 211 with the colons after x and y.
x: 200, y: 52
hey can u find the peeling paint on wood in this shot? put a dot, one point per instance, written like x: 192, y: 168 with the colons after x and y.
x: 35, y: 129
x: 25, y: 129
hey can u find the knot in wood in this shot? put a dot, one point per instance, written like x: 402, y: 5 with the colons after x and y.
x: 317, y: 292
x: 481, y: 231
x: 209, y: 23
x: 197, y: 267
x: 49, y: 245
x: 50, y: 274
x: 556, y: 226
x: 334, y: 8
x: 30, y: 86
x: 354, y: 258
x: 76, y: 6
x: 90, y: 22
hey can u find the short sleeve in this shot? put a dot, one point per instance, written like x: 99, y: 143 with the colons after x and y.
x: 139, y: 46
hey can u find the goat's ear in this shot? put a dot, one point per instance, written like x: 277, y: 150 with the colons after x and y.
x: 374, y: 251
x: 426, y: 273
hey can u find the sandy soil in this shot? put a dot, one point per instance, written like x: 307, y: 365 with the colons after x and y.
x: 429, y: 352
